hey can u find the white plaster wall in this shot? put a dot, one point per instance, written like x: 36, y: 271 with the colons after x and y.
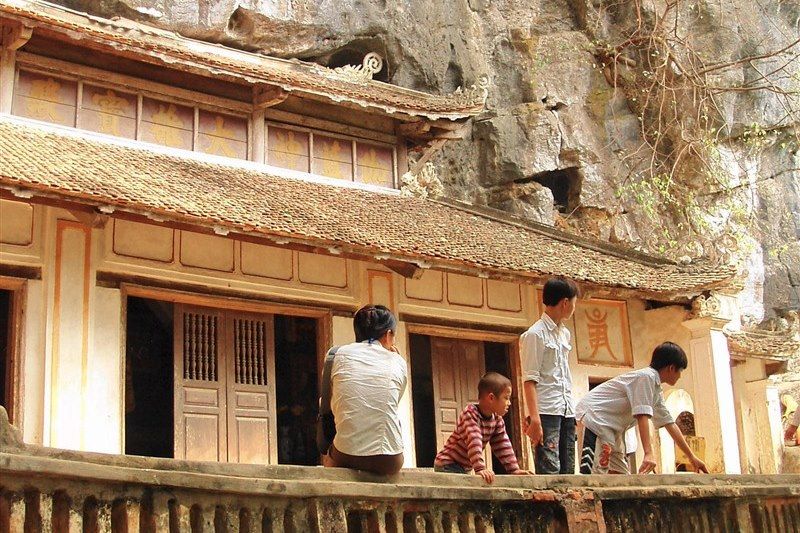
x: 66, y: 406
x: 104, y: 398
x: 33, y: 364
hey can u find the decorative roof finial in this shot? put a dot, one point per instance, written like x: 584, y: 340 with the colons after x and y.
x: 371, y: 65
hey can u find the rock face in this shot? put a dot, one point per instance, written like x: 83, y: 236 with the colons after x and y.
x: 555, y: 142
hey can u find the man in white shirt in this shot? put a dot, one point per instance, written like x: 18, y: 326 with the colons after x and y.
x: 544, y: 350
x: 609, y: 409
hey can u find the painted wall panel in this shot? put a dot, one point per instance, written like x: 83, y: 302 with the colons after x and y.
x: 206, y: 251
x: 322, y: 270
x: 380, y: 288
x: 503, y: 295
x: 428, y: 287
x: 464, y: 290
x: 16, y: 223
x: 266, y: 261
x: 145, y: 241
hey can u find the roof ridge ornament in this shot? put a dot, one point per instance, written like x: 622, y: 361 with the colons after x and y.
x: 424, y: 184
x: 370, y: 65
x: 474, y: 95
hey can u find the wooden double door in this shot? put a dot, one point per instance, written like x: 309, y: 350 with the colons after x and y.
x: 456, y: 366
x: 224, y: 400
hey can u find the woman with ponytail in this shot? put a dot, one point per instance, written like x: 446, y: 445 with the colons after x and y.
x: 368, y: 377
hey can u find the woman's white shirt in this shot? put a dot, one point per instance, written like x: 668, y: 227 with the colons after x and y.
x: 367, y: 382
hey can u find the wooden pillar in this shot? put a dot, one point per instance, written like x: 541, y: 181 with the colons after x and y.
x: 13, y: 36
x: 264, y: 96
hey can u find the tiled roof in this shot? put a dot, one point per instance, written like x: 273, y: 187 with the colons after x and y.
x: 764, y: 343
x: 254, y: 199
x: 150, y: 44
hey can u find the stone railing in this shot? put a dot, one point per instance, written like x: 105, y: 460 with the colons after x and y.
x: 44, y: 489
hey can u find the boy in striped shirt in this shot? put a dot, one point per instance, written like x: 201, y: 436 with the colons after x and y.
x: 478, y: 424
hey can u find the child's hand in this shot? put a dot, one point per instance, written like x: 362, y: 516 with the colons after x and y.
x: 790, y: 432
x: 699, y: 466
x: 522, y: 473
x: 487, y: 475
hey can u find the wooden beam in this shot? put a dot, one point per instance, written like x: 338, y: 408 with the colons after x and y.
x: 15, y: 35
x: 157, y: 288
x: 265, y: 96
x: 18, y: 271
x: 12, y: 37
x: 89, y: 218
x: 429, y: 152
x: 407, y: 270
x: 414, y: 129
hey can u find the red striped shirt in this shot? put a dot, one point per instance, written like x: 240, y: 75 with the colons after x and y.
x: 473, y: 431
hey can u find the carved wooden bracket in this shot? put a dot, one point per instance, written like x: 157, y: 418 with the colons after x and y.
x: 15, y: 35
x: 265, y: 96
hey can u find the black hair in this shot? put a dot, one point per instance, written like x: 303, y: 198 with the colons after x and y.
x: 371, y: 322
x: 494, y: 383
x: 556, y: 289
x: 669, y: 353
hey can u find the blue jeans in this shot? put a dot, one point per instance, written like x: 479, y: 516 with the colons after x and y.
x: 556, y: 455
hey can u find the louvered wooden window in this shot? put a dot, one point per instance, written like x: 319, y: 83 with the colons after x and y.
x: 250, y: 354
x: 224, y: 386
x: 200, y: 342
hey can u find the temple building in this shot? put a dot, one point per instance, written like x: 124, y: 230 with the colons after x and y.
x: 185, y: 229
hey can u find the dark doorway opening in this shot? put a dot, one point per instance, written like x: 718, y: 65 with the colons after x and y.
x: 496, y: 354
x: 5, y: 349
x: 496, y: 359
x: 296, y: 391
x: 149, y: 366
x: 422, y: 398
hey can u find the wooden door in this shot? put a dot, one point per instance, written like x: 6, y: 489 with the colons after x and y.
x: 251, y: 389
x: 457, y: 366
x: 200, y: 384
x: 446, y: 387
x: 224, y: 386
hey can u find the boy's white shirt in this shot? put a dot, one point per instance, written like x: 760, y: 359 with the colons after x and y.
x: 544, y: 350
x: 610, y: 408
x: 367, y: 382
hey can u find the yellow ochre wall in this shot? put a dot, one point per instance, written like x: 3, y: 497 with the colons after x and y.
x: 73, y: 332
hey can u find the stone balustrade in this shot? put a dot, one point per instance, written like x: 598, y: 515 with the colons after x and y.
x: 44, y: 489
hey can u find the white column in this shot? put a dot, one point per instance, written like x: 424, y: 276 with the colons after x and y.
x: 715, y: 414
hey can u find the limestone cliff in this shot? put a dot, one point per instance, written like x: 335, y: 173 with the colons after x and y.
x: 586, y: 127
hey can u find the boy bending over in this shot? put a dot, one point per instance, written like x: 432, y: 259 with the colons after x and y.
x: 635, y: 397
x: 478, y: 424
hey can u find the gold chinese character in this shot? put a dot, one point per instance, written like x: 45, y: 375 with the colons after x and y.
x: 42, y: 104
x: 165, y: 127
x: 331, y: 167
x: 111, y: 106
x: 220, y: 144
x: 287, y: 149
x: 598, y: 332
x: 369, y: 171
